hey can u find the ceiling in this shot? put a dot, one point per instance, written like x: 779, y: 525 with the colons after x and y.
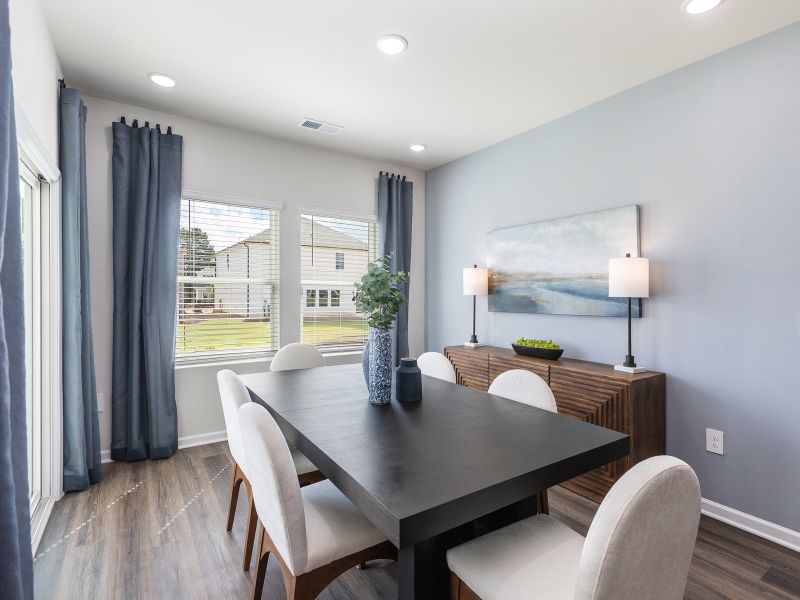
x: 474, y: 73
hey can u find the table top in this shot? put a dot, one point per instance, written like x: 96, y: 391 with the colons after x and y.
x: 417, y: 470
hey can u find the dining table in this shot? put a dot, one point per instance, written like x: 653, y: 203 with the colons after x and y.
x: 434, y: 473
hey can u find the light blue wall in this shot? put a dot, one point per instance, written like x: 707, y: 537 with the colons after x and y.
x: 711, y: 153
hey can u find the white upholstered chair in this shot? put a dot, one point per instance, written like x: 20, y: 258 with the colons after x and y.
x: 639, y: 546
x: 526, y: 387
x: 315, y: 533
x: 233, y: 395
x: 296, y: 356
x: 434, y: 364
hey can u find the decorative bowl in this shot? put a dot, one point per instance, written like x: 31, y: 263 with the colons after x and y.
x: 548, y: 353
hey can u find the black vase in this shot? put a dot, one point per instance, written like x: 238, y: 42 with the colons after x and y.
x: 408, y: 381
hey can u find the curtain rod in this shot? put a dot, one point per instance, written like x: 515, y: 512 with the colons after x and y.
x: 146, y: 124
x: 391, y: 175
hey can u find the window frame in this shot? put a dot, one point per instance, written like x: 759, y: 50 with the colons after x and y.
x: 233, y: 355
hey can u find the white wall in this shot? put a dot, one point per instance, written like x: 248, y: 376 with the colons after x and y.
x: 35, y: 70
x: 227, y: 161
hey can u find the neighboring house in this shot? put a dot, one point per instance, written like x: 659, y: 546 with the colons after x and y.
x: 246, y: 280
x: 330, y: 262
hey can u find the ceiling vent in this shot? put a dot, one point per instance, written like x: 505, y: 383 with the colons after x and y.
x: 320, y: 126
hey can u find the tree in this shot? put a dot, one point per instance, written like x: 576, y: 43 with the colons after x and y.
x: 196, y: 253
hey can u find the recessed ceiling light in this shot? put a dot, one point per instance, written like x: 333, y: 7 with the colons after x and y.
x: 392, y: 44
x: 417, y: 147
x: 696, y: 7
x: 161, y: 79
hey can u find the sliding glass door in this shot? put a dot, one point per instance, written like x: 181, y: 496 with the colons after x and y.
x: 31, y: 207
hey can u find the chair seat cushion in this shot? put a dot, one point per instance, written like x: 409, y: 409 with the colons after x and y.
x: 335, y: 528
x: 301, y: 462
x: 534, y: 559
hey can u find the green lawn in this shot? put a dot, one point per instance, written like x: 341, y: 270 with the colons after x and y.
x: 223, y: 334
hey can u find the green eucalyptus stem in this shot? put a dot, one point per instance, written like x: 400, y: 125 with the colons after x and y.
x: 380, y: 293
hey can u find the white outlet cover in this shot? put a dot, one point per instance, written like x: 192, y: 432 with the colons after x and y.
x: 100, y: 402
x: 715, y: 441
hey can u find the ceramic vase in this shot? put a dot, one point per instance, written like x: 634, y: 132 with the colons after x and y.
x: 380, y: 366
x: 408, y: 381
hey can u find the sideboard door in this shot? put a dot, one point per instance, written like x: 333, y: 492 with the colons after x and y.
x: 599, y: 400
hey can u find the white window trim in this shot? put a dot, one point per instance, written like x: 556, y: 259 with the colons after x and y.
x: 235, y: 200
x: 330, y: 213
x: 37, y: 156
x: 231, y: 356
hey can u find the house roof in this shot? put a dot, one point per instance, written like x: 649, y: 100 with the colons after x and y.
x: 324, y: 236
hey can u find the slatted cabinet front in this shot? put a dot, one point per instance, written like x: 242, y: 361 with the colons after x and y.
x: 592, y: 392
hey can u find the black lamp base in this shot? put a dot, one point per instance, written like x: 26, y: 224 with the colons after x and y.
x: 629, y: 362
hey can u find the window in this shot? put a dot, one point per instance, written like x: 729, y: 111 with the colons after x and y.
x: 228, y: 276
x: 334, y: 254
x: 311, y: 298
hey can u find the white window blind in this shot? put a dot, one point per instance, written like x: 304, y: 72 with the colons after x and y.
x: 228, y: 274
x: 334, y: 254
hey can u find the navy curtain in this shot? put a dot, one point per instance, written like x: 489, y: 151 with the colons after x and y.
x: 81, y: 429
x: 146, y: 171
x: 16, y: 563
x: 395, y: 209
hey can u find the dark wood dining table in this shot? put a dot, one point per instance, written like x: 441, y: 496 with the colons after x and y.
x: 430, y: 474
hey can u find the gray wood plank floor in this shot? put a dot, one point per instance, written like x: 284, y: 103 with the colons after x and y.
x: 156, y: 529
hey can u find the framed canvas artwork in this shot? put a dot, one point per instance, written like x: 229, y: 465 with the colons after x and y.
x: 560, y: 267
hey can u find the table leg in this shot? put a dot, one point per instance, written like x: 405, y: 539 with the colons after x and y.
x: 422, y: 572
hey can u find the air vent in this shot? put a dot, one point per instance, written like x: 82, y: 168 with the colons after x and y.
x: 320, y: 126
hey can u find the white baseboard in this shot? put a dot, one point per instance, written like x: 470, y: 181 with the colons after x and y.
x: 187, y: 441
x: 764, y: 529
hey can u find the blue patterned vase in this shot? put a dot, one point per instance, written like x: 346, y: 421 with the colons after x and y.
x: 380, y: 366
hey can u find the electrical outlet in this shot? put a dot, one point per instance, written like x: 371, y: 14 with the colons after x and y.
x: 714, y: 441
x: 100, y: 402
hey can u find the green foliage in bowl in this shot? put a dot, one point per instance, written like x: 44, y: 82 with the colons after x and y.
x: 549, y: 344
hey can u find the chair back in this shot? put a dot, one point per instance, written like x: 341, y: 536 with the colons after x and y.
x: 641, y: 541
x: 434, y: 364
x: 526, y: 387
x: 276, y: 490
x: 233, y: 393
x: 297, y: 356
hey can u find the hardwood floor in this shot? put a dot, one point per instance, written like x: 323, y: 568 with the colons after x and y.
x: 156, y: 529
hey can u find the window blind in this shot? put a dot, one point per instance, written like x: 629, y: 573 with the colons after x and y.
x: 334, y: 254
x: 228, y: 275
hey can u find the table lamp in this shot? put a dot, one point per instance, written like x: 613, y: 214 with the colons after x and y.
x: 629, y: 278
x: 476, y: 283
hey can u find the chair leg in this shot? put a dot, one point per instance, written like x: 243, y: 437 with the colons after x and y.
x: 262, y: 558
x: 459, y: 589
x: 542, y: 505
x: 309, y: 585
x: 250, y: 534
x: 236, y: 483
x: 455, y: 587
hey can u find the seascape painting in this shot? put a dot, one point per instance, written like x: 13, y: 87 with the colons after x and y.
x: 560, y: 267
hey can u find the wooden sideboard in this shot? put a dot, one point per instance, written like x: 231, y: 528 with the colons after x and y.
x: 634, y: 404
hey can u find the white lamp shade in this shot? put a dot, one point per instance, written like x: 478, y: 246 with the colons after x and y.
x: 629, y: 277
x: 476, y: 281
